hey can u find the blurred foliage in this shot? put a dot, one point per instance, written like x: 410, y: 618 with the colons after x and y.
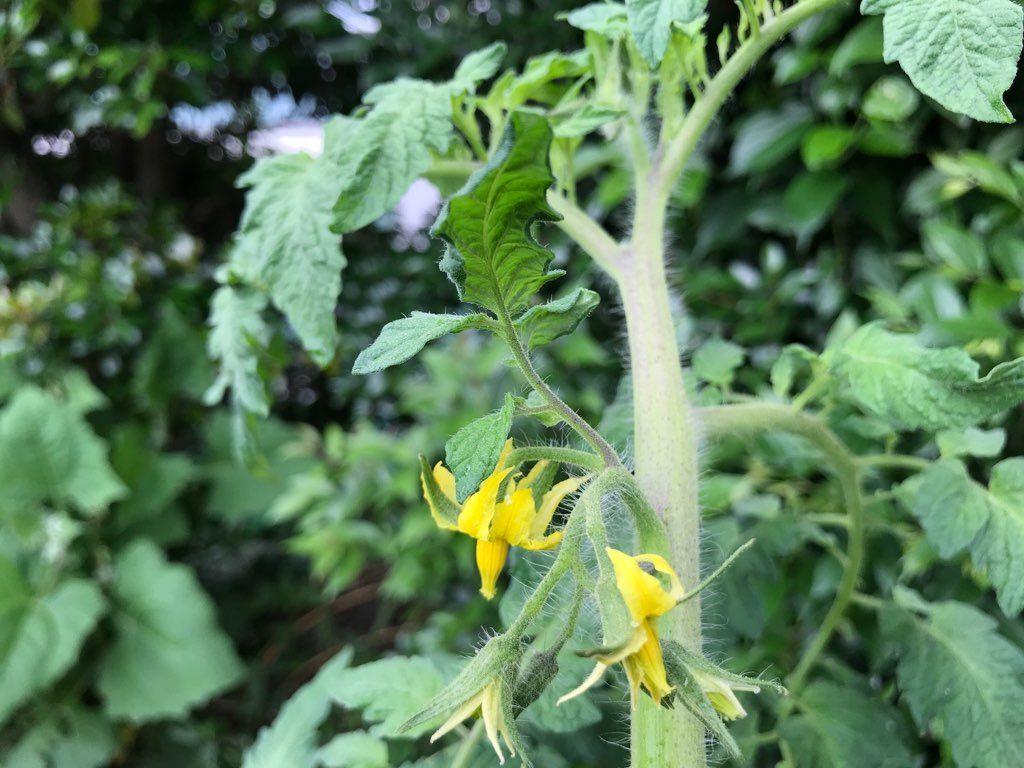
x: 830, y: 193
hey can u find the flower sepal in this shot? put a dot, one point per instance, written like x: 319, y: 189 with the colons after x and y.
x: 707, y: 691
x: 484, y: 688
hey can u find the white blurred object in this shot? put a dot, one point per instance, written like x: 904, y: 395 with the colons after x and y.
x: 288, y: 138
x: 354, y: 20
x: 418, y: 208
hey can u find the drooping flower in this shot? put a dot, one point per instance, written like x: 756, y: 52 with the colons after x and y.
x: 488, y: 705
x: 720, y: 692
x: 502, y: 513
x: 646, y: 596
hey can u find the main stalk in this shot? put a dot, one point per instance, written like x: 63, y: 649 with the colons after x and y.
x: 665, y: 455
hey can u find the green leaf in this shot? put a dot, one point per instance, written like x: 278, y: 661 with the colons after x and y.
x: 357, y: 749
x: 587, y: 120
x: 291, y: 739
x: 765, y: 139
x: 479, y: 66
x: 472, y: 452
x: 958, y: 513
x: 402, y: 339
x: 70, y: 738
x: 971, y: 442
x: 288, y: 222
x: 237, y: 333
x: 608, y: 19
x: 652, y: 21
x: 389, y: 691
x: 840, y: 727
x: 390, y: 149
x: 826, y: 145
x: 892, y: 99
x: 546, y: 322
x: 42, y: 635
x: 717, y: 360
x: 909, y: 385
x: 168, y: 654
x: 49, y: 453
x: 492, y: 256
x: 950, y: 244
x: 953, y: 666
x: 962, y: 53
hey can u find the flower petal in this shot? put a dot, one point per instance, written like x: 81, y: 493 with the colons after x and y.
x: 545, y: 542
x: 590, y: 682
x: 550, y: 503
x: 641, y: 591
x: 478, y: 511
x: 490, y: 559
x: 512, y: 517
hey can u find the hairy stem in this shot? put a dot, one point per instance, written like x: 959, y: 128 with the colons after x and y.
x: 587, y: 234
x: 681, y: 146
x: 665, y: 452
x: 582, y: 459
x: 748, y: 419
x: 573, y: 419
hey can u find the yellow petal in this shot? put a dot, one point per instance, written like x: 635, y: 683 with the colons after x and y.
x: 720, y: 694
x: 586, y: 685
x: 505, y: 451
x: 550, y: 503
x: 545, y: 542
x: 446, y: 482
x: 650, y: 663
x: 490, y: 559
x: 478, y: 511
x: 661, y: 565
x: 460, y: 714
x: 512, y: 517
x: 493, y: 721
x: 535, y: 473
x: 642, y: 592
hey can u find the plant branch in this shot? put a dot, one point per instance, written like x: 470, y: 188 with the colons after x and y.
x: 747, y: 419
x: 587, y: 234
x: 704, y: 110
x: 573, y: 419
x: 893, y: 460
x: 582, y: 459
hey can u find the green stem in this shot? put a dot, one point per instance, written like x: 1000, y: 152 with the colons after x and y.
x: 679, y: 149
x: 587, y: 234
x: 449, y: 173
x: 718, y: 571
x: 747, y: 419
x: 464, y: 757
x: 665, y: 452
x: 573, y: 419
x: 581, y: 459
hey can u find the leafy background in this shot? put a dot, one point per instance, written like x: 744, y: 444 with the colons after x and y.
x: 184, y: 597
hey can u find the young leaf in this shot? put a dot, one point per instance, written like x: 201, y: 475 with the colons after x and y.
x: 957, y: 513
x: 717, y: 360
x: 291, y: 738
x: 391, y: 148
x: 651, y: 22
x: 356, y: 749
x: 492, y: 256
x: 401, y: 339
x: 237, y: 331
x: 962, y: 53
x: 478, y: 66
x: 587, y: 120
x: 985, y: 443
x: 42, y: 634
x: 840, y: 727
x: 49, y: 453
x: 898, y: 379
x: 168, y: 654
x: 608, y: 19
x: 288, y: 243
x: 954, y: 666
x: 472, y: 452
x: 546, y: 322
x: 388, y: 691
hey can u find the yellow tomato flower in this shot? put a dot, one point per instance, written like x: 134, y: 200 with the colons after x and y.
x: 720, y: 693
x: 646, y: 597
x: 486, y: 704
x: 502, y: 513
